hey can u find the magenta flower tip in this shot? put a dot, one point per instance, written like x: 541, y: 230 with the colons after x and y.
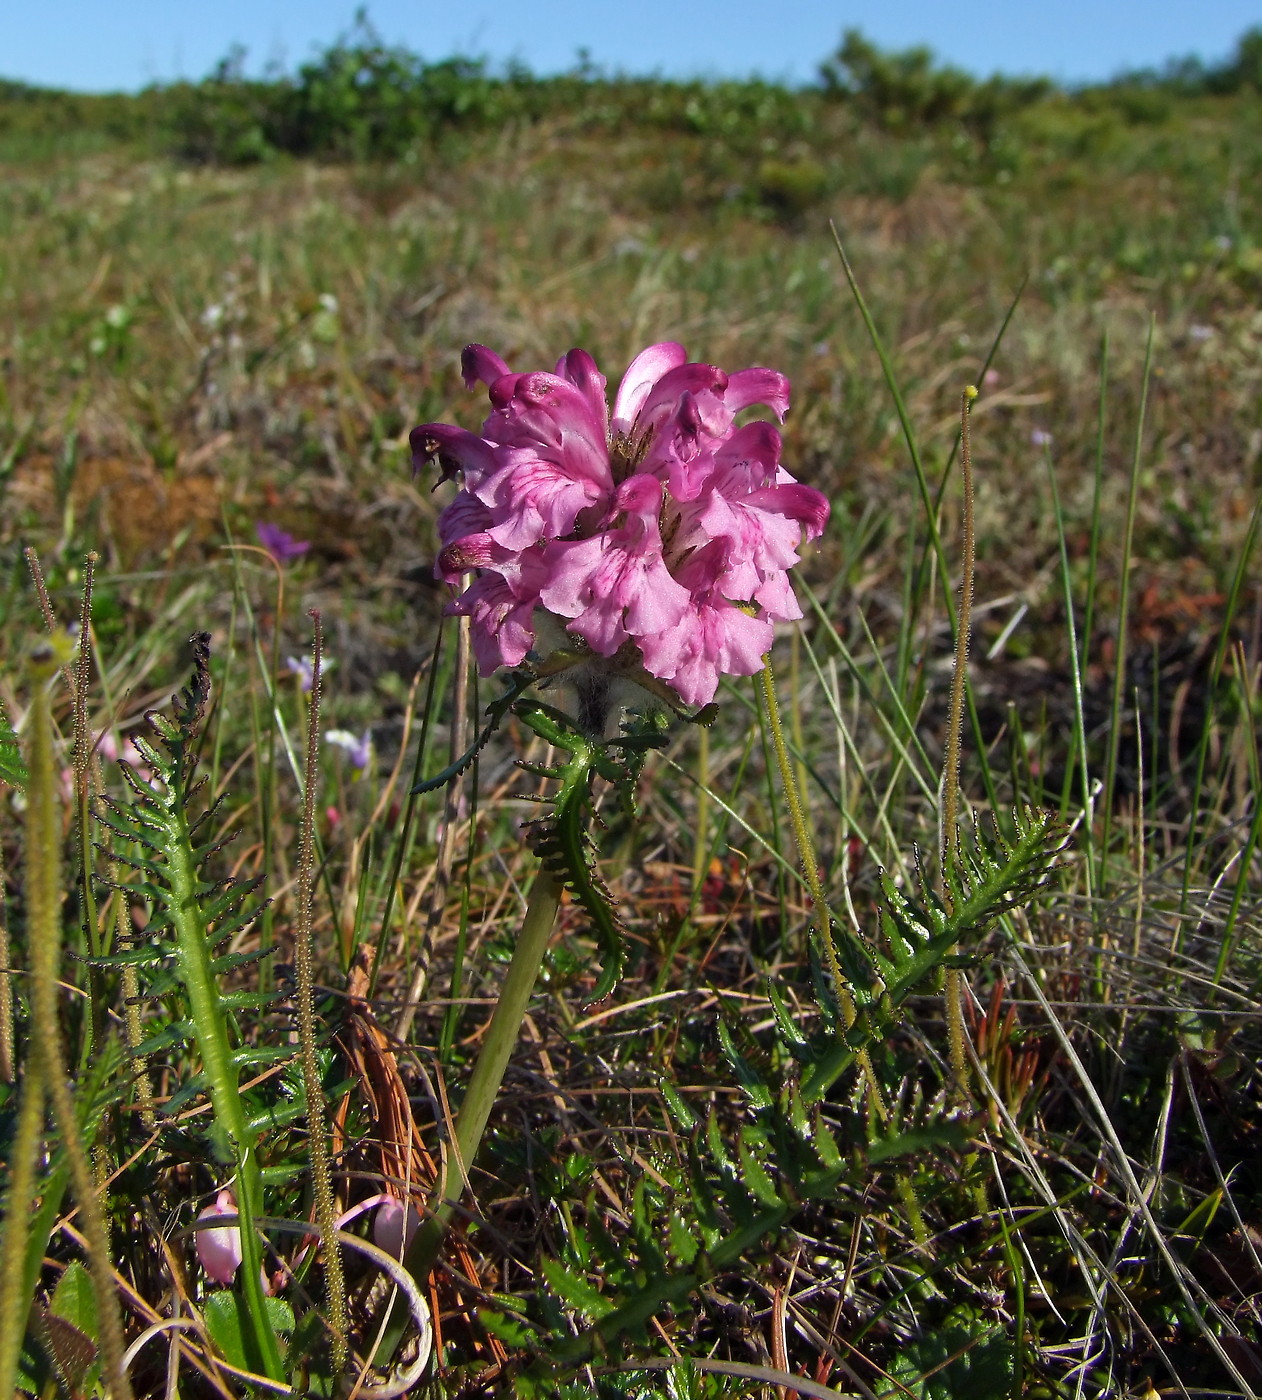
x: 659, y: 523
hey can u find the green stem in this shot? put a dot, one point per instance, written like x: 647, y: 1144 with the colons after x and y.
x: 44, y: 930
x: 488, y: 1072
x: 15, y: 1305
x: 211, y: 1033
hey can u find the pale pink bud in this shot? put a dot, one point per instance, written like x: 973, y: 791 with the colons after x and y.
x: 393, y: 1227
x: 220, y: 1250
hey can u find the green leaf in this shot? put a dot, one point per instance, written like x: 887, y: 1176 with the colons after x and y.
x: 981, y: 1368
x: 917, y: 1140
x: 576, y: 1292
x: 755, y: 1087
x: 12, y: 769
x: 512, y: 1331
x: 74, y: 1300
x: 228, y: 1322
x: 685, y: 1118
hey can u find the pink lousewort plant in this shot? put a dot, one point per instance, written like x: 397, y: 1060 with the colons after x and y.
x: 657, y: 536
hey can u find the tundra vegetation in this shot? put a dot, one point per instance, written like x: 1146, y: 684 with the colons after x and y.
x: 894, y: 1033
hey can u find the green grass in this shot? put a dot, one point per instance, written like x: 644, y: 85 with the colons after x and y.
x: 187, y: 350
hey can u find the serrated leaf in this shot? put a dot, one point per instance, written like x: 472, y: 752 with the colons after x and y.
x: 756, y: 1178
x: 952, y: 1134
x: 981, y: 1368
x: 174, y: 1034
x: 576, y: 1292
x: 684, y: 1117
x: 191, y: 1090
x: 12, y: 769
x: 797, y: 1044
x: 684, y: 1245
x: 756, y: 1088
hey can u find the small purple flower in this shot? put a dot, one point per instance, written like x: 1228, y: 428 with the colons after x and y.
x: 1041, y: 438
x: 280, y: 544
x: 301, y: 667
x: 357, y: 748
x: 1200, y: 334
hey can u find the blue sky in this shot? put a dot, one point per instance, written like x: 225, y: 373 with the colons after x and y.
x: 99, y: 45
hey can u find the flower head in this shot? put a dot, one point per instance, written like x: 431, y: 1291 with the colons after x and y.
x: 656, y: 531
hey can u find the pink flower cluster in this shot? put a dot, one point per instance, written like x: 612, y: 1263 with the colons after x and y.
x: 659, y: 535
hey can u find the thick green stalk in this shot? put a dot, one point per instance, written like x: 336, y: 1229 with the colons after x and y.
x: 488, y: 1072
x: 317, y: 1128
x: 211, y: 1033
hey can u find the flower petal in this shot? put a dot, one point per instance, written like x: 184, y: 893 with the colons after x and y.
x: 456, y: 449
x: 642, y: 373
x: 580, y: 369
x: 500, y: 624
x: 477, y: 363
x: 615, y: 585
x: 758, y: 385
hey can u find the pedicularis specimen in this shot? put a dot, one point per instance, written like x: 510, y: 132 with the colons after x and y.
x: 639, y: 551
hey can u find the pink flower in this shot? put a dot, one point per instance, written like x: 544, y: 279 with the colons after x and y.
x: 658, y: 532
x: 220, y: 1250
x: 394, y: 1225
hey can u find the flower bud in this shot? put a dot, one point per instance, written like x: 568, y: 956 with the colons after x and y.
x: 220, y: 1250
x: 394, y: 1226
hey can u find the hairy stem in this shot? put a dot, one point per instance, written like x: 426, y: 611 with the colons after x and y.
x: 43, y: 893
x: 7, y: 1070
x: 14, y: 1305
x: 949, y: 792
x: 317, y: 1128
